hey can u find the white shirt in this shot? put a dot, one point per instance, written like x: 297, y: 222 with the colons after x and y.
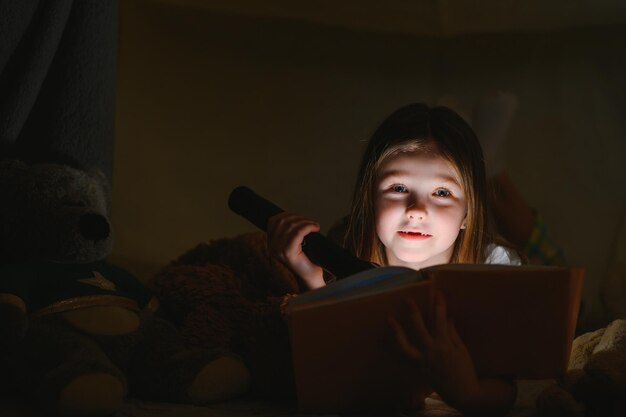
x: 502, y: 255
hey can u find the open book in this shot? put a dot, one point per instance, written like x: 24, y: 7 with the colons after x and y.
x: 516, y: 321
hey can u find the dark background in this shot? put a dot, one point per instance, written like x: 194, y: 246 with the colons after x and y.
x: 282, y: 97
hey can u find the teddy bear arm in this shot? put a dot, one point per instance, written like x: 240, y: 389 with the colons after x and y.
x: 583, y: 347
x: 608, y: 362
x: 594, y: 383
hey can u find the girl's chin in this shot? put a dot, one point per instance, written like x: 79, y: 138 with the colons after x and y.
x: 411, y: 260
x: 418, y: 261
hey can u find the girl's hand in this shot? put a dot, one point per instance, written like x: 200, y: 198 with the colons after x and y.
x: 444, y: 360
x: 441, y: 355
x: 286, y: 232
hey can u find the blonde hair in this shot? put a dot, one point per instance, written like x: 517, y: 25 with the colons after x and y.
x: 420, y: 128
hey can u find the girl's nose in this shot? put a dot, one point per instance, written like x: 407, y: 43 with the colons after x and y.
x: 416, y: 210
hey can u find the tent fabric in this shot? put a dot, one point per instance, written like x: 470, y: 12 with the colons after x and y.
x: 57, y: 80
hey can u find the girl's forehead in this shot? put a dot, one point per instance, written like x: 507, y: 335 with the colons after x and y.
x: 429, y: 164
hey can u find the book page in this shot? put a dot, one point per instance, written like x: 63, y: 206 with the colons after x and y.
x: 364, y: 283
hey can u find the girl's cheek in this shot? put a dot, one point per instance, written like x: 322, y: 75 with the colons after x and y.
x: 383, y: 216
x: 385, y: 210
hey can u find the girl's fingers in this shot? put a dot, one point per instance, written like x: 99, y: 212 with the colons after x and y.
x: 275, y: 226
x: 286, y: 232
x: 424, y: 338
x: 291, y: 246
x: 403, y: 342
x: 298, y: 231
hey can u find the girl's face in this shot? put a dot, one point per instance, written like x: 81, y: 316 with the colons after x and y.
x: 420, y: 208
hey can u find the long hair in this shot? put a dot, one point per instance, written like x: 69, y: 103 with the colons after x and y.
x: 417, y: 128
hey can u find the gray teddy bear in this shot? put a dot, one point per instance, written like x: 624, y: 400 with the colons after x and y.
x: 78, y: 334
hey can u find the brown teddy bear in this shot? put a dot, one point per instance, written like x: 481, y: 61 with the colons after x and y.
x: 595, y: 383
x: 227, y: 294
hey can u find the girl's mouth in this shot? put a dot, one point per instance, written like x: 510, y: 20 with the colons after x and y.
x: 413, y: 235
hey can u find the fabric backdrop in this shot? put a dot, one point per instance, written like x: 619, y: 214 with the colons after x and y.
x: 57, y: 80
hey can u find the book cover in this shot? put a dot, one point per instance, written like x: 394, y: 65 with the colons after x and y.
x: 516, y: 321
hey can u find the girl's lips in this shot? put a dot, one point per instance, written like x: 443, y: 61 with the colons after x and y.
x: 414, y: 235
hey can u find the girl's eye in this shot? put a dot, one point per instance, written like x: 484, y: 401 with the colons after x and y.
x: 441, y: 192
x: 399, y: 188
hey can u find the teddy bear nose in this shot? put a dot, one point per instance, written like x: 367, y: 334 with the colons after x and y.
x: 94, y: 226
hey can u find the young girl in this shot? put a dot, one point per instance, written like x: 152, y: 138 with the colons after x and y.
x: 420, y: 200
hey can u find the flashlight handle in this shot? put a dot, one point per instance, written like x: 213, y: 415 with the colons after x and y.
x: 318, y: 248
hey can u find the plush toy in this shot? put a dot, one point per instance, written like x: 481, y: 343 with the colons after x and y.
x: 595, y: 383
x: 228, y: 293
x: 77, y: 333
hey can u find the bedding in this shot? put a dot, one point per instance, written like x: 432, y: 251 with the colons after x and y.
x: 241, y: 408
